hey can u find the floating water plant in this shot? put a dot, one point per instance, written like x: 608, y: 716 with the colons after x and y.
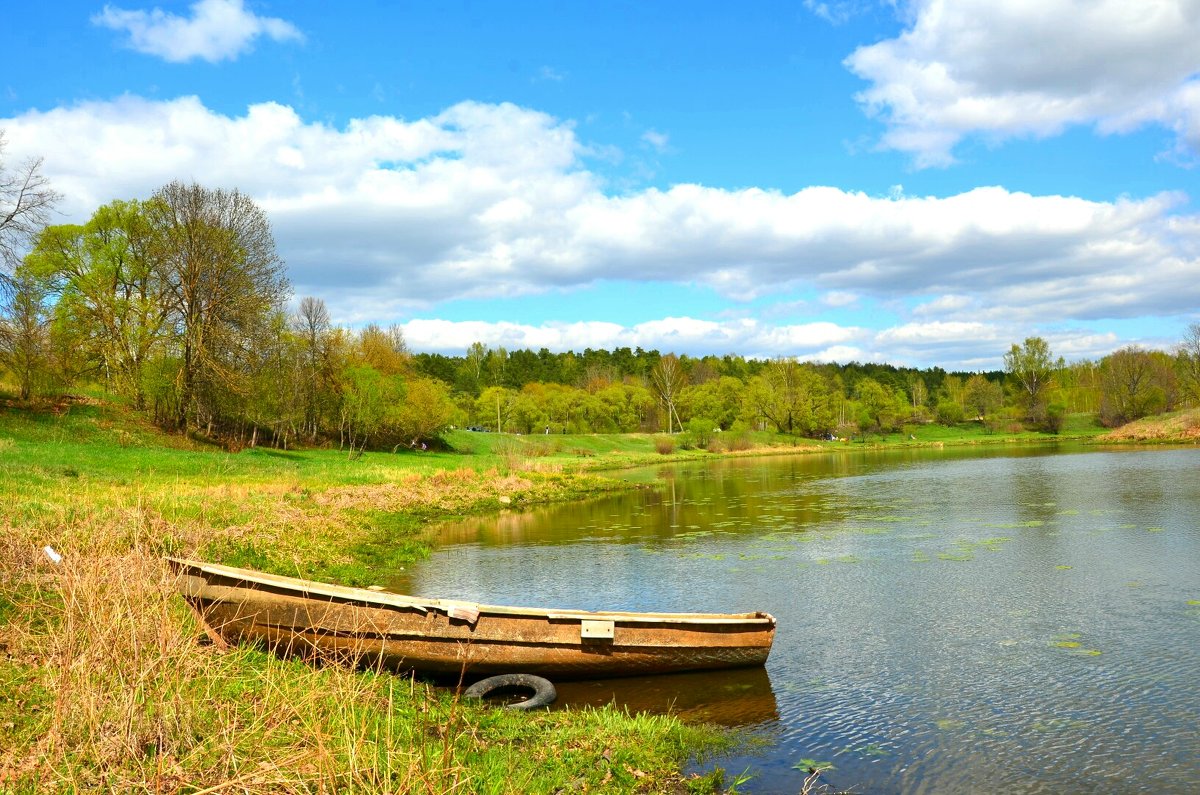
x: 920, y: 556
x: 1062, y: 568
x: 949, y: 724
x: 1067, y: 644
x: 813, y: 766
x: 1154, y: 529
x: 870, y: 749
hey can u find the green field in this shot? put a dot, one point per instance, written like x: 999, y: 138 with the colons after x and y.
x: 107, y: 686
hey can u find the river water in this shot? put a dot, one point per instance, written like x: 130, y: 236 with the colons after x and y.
x: 958, y: 621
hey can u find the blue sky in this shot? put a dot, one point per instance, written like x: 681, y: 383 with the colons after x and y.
x: 919, y: 182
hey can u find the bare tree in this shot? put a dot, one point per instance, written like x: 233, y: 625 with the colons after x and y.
x: 222, y: 279
x: 26, y: 200
x: 312, y: 325
x: 669, y: 379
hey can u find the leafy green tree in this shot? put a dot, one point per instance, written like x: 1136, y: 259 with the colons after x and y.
x: 425, y: 412
x: 1135, y: 383
x: 495, y: 405
x: 877, y: 409
x: 982, y: 396
x: 109, y: 290
x: 721, y: 399
x: 367, y: 398
x: 1030, y: 367
x: 793, y: 397
x: 25, y: 334
x: 527, y: 412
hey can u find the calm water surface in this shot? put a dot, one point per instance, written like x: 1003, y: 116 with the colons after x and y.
x: 949, y: 621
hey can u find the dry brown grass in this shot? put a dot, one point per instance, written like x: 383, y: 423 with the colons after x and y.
x: 106, y: 686
x: 1182, y: 426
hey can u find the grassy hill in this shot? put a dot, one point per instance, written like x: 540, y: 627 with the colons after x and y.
x: 1181, y: 427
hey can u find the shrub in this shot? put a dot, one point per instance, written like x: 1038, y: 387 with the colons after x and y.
x: 665, y: 445
x: 949, y: 412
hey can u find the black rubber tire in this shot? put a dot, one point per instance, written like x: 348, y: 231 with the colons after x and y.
x: 543, y: 691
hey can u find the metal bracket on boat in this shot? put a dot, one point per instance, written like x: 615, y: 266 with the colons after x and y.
x: 463, y: 611
x: 590, y: 629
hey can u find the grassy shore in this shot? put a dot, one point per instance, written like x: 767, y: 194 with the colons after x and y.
x: 104, y: 685
x: 1178, y: 427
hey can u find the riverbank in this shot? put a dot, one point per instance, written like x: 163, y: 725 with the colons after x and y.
x: 1179, y: 427
x: 109, y: 688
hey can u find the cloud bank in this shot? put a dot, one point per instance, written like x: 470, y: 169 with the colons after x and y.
x: 1003, y: 70
x: 387, y: 218
x: 217, y: 30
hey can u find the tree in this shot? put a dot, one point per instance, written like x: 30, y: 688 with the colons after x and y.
x: 495, y: 403
x: 876, y: 404
x: 25, y: 333
x: 367, y: 397
x: 1187, y: 363
x: 982, y: 396
x: 1031, y: 367
x: 26, y: 200
x: 669, y: 379
x: 312, y: 327
x: 221, y: 279
x: 1134, y: 383
x: 425, y: 412
x: 793, y: 397
x: 109, y: 290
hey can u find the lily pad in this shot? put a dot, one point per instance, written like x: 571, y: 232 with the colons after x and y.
x: 813, y: 765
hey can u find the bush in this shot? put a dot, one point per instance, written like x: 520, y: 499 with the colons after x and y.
x: 665, y: 445
x: 949, y: 412
x: 1056, y: 414
x: 700, y: 431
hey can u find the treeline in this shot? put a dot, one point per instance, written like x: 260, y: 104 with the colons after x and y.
x: 178, y: 304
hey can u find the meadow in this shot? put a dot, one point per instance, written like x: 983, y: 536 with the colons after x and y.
x: 108, y: 686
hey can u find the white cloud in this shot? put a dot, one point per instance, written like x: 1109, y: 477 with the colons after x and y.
x: 678, y: 334
x: 386, y: 218
x: 1004, y: 69
x: 839, y: 298
x: 217, y: 30
x: 656, y: 140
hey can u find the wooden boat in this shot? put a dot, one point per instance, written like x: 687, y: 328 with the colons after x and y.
x: 442, y: 636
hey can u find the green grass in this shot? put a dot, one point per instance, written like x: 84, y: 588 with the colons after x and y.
x: 106, y: 687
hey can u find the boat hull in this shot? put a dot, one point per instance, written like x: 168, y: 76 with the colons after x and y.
x: 450, y: 637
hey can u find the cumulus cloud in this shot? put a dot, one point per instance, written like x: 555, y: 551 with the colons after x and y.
x: 979, y: 67
x: 386, y: 218
x: 217, y: 30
